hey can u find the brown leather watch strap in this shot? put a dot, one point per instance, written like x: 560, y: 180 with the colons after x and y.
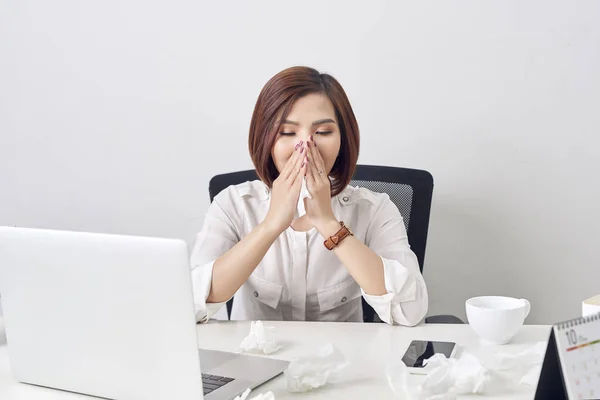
x: 332, y: 241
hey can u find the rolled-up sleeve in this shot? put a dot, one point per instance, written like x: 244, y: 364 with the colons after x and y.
x: 406, y: 301
x: 218, y: 235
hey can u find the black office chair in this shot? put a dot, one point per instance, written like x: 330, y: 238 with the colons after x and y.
x: 410, y: 189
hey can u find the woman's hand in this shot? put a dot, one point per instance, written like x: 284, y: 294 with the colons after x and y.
x: 286, y: 191
x: 318, y: 208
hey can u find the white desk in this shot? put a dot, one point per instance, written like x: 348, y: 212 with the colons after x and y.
x: 366, y: 347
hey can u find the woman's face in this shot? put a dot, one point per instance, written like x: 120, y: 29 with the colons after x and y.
x: 313, y: 115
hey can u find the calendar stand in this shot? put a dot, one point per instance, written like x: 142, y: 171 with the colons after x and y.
x: 571, y: 367
x: 551, y: 384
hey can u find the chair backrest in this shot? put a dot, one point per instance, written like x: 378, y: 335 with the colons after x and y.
x: 410, y: 189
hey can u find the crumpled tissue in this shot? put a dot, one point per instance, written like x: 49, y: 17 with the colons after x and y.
x: 315, y: 370
x: 304, y: 194
x: 532, y: 377
x: 447, y: 378
x: 260, y: 339
x: 502, y: 360
x: 523, y: 367
x: 261, y: 396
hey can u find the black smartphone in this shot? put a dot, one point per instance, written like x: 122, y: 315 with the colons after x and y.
x: 421, y: 350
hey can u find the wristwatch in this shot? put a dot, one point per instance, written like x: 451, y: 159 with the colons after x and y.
x: 332, y: 241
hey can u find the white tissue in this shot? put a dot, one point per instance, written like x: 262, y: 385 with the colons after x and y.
x: 447, y: 378
x: 525, y: 358
x: 397, y: 375
x: 520, y: 368
x: 315, y: 370
x: 532, y: 377
x: 260, y: 339
x: 261, y: 396
x: 461, y: 376
x: 304, y: 194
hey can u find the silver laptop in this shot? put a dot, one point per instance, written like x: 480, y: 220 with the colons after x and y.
x: 112, y: 316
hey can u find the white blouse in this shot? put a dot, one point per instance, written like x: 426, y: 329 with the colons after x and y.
x: 298, y: 278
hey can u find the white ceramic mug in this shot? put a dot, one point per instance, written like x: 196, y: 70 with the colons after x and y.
x: 496, y: 319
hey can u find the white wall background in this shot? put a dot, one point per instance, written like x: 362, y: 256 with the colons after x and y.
x: 115, y: 114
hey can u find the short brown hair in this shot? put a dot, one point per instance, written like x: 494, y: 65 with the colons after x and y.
x: 273, y: 106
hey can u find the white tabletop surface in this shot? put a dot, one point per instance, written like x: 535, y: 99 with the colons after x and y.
x: 367, y: 347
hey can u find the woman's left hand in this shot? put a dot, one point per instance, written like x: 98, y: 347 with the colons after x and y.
x: 318, y: 209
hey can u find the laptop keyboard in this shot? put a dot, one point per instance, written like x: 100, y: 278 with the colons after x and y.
x: 211, y: 383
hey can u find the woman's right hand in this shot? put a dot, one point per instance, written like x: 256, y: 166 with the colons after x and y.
x: 286, y: 191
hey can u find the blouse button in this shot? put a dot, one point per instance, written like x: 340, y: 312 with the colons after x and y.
x: 344, y: 299
x: 255, y: 294
x: 345, y: 198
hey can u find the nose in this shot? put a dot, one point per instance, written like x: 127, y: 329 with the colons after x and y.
x: 303, y: 135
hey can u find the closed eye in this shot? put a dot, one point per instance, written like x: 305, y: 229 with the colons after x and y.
x: 287, y: 133
x: 323, y: 132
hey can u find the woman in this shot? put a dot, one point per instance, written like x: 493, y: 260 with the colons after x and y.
x: 287, y: 257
